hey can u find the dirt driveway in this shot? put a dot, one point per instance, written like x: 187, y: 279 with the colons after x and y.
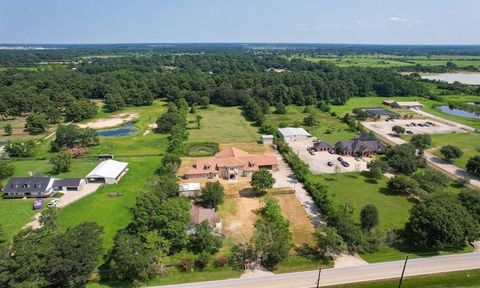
x: 318, y: 162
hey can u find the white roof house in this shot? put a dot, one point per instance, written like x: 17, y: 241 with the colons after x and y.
x: 108, y: 171
x: 293, y: 133
x: 410, y: 104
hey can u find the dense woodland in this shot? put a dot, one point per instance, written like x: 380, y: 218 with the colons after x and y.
x: 225, y: 78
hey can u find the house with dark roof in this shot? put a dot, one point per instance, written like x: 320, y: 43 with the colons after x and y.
x: 322, y: 146
x: 200, y: 214
x: 363, y: 145
x: 33, y: 186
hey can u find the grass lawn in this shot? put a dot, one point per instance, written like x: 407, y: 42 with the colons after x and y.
x: 468, y: 142
x: 15, y: 213
x: 328, y: 128
x: 463, y: 279
x: 298, y: 263
x: 223, y: 125
x: 358, y: 191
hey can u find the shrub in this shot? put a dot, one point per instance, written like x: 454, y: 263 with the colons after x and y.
x: 186, y: 264
x: 221, y: 261
x: 202, y: 262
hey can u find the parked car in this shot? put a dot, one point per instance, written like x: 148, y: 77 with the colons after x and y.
x: 409, y: 132
x: 53, y: 203
x: 311, y: 151
x: 413, y: 124
x: 429, y: 123
x: 340, y: 159
x: 331, y: 151
x: 408, y: 125
x: 329, y: 163
x: 356, y: 158
x: 420, y: 125
x: 345, y: 164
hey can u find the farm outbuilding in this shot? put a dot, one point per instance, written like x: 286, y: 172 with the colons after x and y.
x: 293, y: 134
x: 68, y: 184
x: 108, y: 172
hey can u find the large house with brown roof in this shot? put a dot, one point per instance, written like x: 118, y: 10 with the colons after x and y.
x: 230, y: 164
x: 363, y: 145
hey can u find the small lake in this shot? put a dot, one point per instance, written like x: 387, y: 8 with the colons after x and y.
x: 465, y: 78
x: 458, y: 112
x: 124, y: 130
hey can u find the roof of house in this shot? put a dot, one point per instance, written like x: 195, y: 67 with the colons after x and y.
x: 108, y: 169
x: 319, y: 145
x: 267, y: 136
x: 189, y: 187
x: 200, y: 214
x: 231, y: 157
x: 379, y: 112
x: 293, y: 131
x: 67, y: 182
x: 411, y: 103
x: 363, y: 142
x: 36, y: 183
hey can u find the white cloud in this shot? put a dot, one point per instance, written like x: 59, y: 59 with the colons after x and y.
x: 397, y: 19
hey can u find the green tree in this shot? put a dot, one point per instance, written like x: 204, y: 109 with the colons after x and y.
x: 113, y: 102
x: 272, y: 237
x: 376, y: 173
x: 74, y: 255
x: 61, y: 162
x: 473, y: 165
x: 8, y: 129
x: 213, y: 194
x: 328, y: 241
x: 80, y: 110
x: 280, y: 108
x: 348, y: 230
x: 20, y: 149
x: 398, y: 130
x: 441, y: 222
x: 262, y: 180
x: 402, y: 158
x: 310, y: 120
x: 198, y: 118
x: 368, y: 217
x: 36, y: 123
x: 128, y: 259
x: 402, y: 184
x: 167, y: 120
x: 431, y: 180
x: 6, y: 169
x: 421, y: 141
x: 204, y: 102
x: 470, y: 199
x: 203, y: 240
x: 450, y: 152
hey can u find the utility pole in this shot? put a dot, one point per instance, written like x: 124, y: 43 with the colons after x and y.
x: 403, y: 272
x: 318, y: 279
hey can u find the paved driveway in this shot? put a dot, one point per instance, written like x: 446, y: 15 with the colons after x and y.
x: 318, y: 162
x: 72, y: 196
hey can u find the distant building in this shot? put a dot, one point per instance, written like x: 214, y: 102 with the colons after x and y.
x: 267, y: 139
x: 103, y: 157
x: 293, y: 134
x: 363, y: 145
x: 230, y: 164
x: 189, y: 189
x: 108, y: 172
x: 200, y: 214
x: 322, y: 146
x: 380, y: 113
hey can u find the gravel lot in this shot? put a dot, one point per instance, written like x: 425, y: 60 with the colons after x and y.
x: 318, y: 162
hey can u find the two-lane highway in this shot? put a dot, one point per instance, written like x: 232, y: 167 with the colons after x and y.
x: 334, y: 276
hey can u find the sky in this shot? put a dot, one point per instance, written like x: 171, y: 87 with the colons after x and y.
x: 253, y: 21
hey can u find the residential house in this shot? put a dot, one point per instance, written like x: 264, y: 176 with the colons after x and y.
x: 33, y: 186
x: 380, y: 113
x: 200, y: 214
x: 322, y: 146
x: 230, y: 164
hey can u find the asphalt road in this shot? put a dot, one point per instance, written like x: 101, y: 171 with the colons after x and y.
x: 334, y: 276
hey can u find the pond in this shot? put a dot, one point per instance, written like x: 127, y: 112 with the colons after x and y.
x: 124, y: 130
x: 465, y: 78
x: 458, y: 112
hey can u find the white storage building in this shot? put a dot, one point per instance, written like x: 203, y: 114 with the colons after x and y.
x: 108, y: 172
x: 293, y: 133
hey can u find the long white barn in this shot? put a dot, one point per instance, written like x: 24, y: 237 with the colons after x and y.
x: 108, y: 172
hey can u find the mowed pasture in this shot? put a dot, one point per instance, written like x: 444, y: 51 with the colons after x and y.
x: 223, y: 125
x: 468, y: 142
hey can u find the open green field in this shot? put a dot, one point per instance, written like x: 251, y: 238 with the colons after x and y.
x: 15, y: 214
x: 223, y: 125
x: 328, y: 128
x: 461, y: 279
x: 468, y: 142
x: 358, y: 191
x: 360, y: 61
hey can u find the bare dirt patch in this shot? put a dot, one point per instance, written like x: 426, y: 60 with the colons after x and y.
x: 110, y: 122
